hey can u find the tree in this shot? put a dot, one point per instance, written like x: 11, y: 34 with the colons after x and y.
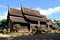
x: 36, y: 30
x: 0, y: 22
x: 3, y: 22
x: 57, y: 22
x: 57, y: 25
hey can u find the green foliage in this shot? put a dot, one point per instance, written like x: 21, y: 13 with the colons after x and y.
x: 3, y: 22
x: 4, y: 31
x: 17, y: 26
x: 55, y: 20
x: 36, y: 30
x: 57, y: 24
x: 0, y: 22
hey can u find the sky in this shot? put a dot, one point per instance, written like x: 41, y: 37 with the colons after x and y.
x: 49, y: 8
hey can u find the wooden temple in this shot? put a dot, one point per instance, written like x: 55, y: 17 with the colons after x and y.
x: 27, y: 18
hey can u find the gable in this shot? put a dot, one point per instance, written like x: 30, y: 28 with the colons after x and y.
x: 15, y: 12
x: 30, y: 11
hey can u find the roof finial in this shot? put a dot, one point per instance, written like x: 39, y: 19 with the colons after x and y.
x: 8, y: 7
x: 20, y: 4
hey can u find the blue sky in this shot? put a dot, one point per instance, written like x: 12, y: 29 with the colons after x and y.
x: 50, y: 8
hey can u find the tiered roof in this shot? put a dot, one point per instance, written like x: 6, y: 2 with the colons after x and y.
x: 18, y: 15
x: 28, y: 11
x: 33, y: 14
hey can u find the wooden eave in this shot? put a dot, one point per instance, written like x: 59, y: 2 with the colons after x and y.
x: 35, y: 18
x: 17, y: 19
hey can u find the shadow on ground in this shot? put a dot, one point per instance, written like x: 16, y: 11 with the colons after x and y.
x: 1, y: 38
x: 35, y: 37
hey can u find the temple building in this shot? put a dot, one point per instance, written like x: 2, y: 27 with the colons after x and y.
x: 27, y: 18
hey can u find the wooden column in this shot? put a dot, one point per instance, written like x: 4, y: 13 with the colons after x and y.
x: 30, y: 28
x: 48, y: 28
x: 38, y: 23
x: 39, y: 26
x: 11, y: 24
x: 8, y: 29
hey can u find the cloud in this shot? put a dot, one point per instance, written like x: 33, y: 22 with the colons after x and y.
x: 48, y: 11
x: 3, y: 16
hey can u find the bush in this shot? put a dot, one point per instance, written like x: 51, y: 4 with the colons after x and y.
x: 36, y: 30
x: 17, y: 26
x: 4, y: 31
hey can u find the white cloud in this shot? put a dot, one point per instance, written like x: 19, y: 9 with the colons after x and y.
x: 3, y: 16
x: 48, y: 11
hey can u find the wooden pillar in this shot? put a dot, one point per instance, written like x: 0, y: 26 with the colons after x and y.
x: 30, y: 28
x: 11, y: 26
x: 38, y: 23
x: 8, y: 29
x: 48, y: 28
x: 39, y: 26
